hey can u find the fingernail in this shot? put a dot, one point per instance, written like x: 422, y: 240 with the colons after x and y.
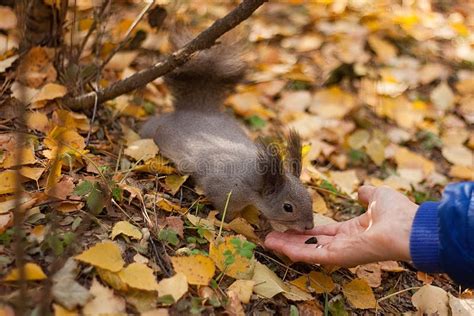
x: 312, y: 240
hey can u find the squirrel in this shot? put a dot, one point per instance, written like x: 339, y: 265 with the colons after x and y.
x: 210, y: 145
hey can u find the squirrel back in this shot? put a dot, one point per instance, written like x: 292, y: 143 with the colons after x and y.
x: 207, y: 78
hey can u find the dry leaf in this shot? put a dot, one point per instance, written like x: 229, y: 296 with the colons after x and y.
x: 33, y: 272
x: 7, y: 181
x: 267, y: 283
x: 174, y: 182
x: 127, y: 229
x: 317, y: 282
x: 198, y: 269
x: 359, y: 294
x: 407, y: 159
x: 8, y: 62
x: 242, y: 227
x: 461, y: 307
x: 430, y: 300
x: 6, y: 221
x: 33, y: 173
x: 424, y: 277
x: 8, y: 20
x: 462, y: 172
x: 50, y: 91
x: 138, y: 276
x: 442, y: 97
x: 241, y: 268
x: 61, y: 311
x: 458, y: 155
x: 347, y: 180
x: 175, y: 286
x: 142, y: 149
x: 104, y: 302
x: 66, y: 290
x: 371, y: 273
x: 243, y: 289
x: 385, y: 51
x: 332, y: 103
x: 105, y: 255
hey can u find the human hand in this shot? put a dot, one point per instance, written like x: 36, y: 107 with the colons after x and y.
x: 380, y: 234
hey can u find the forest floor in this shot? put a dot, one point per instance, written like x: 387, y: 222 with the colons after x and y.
x: 381, y: 92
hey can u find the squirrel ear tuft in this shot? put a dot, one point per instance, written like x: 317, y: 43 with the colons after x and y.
x: 294, y: 158
x: 270, y: 166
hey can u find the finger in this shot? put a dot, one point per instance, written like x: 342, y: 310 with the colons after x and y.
x: 276, y: 240
x: 365, y: 194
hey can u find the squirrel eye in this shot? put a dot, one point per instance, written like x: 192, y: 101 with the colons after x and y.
x: 288, y: 207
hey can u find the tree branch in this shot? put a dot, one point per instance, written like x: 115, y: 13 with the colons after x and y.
x: 204, y: 40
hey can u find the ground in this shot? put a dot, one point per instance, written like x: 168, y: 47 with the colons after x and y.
x: 381, y: 93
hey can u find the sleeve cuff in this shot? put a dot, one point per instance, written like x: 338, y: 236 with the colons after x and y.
x: 424, y: 238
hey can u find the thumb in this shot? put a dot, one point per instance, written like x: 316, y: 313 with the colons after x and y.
x: 366, y: 193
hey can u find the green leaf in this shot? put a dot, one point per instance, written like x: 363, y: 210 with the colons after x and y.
x: 328, y: 186
x: 168, y: 235
x: 95, y: 200
x: 337, y: 308
x: 117, y: 194
x: 294, y: 311
x: 83, y: 188
x: 166, y: 299
x: 256, y: 122
x: 229, y: 258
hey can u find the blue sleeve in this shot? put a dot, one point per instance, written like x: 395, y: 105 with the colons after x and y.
x: 442, y: 235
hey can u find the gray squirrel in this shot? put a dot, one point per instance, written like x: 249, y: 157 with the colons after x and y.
x: 211, y: 146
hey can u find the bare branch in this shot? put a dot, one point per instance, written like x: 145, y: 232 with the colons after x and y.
x: 204, y: 40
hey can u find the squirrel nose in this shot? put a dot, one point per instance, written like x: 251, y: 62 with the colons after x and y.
x: 309, y: 225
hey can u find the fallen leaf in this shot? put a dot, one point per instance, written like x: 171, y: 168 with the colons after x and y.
x: 431, y: 300
x: 462, y: 172
x: 66, y: 290
x: 142, y: 149
x: 156, y: 312
x: 319, y: 204
x: 371, y: 273
x: 243, y: 289
x: 127, y: 229
x: 358, y: 139
x: 61, y: 311
x: 8, y: 20
x: 442, y: 97
x: 461, y: 307
x: 176, y: 286
x: 267, y: 283
x: 112, y: 279
x: 62, y: 189
x: 175, y: 223
x: 104, y: 302
x: 407, y: 159
x: 347, y: 180
x: 37, y: 121
x: 138, y: 276
x: 332, y: 103
x: 293, y: 293
x: 33, y: 173
x: 234, y: 306
x: 50, y: 91
x: 174, y: 182
x: 391, y: 266
x: 458, y: 155
x: 8, y: 62
x: 198, y: 269
x: 384, y: 50
x: 33, y: 272
x: 105, y: 255
x: 317, y: 282
x: 143, y: 301
x: 241, y: 267
x: 6, y: 221
x: 359, y: 294
x: 241, y: 226
x: 424, y: 277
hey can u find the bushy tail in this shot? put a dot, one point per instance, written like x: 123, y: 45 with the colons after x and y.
x: 206, y: 79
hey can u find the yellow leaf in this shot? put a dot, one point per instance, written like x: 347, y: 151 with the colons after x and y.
x: 458, y: 155
x: 113, y: 279
x: 32, y: 173
x: 384, y: 50
x: 332, y: 103
x: 358, y: 139
x: 50, y: 91
x: 175, y: 286
x: 33, y: 272
x: 72, y: 120
x: 198, y: 269
x: 206, y: 224
x: 174, y: 182
x: 38, y: 121
x: 61, y: 311
x: 241, y: 226
x: 243, y: 289
x: 347, y: 180
x: 359, y: 294
x: 154, y: 165
x: 462, y: 172
x: 267, y: 283
x: 319, y: 204
x: 376, y: 151
x: 241, y: 268
x: 407, y: 159
x: 67, y: 140
x: 27, y: 154
x: 142, y: 149
x: 105, y: 255
x: 7, y: 181
x: 293, y: 293
x: 170, y: 207
x: 124, y: 227
x: 318, y: 282
x: 139, y: 276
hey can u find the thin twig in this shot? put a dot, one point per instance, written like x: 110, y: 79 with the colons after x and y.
x: 204, y: 40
